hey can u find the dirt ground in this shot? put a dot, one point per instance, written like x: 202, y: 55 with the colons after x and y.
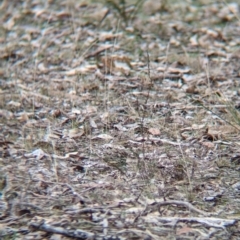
x: 119, y: 119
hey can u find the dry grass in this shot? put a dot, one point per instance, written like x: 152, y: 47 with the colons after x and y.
x: 119, y: 119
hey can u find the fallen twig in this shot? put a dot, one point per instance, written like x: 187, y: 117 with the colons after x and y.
x: 179, y: 203
x: 78, y: 233
x: 212, y: 222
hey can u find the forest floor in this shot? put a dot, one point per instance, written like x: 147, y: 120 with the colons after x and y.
x: 119, y: 119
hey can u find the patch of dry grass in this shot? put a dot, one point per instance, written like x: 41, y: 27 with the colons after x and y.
x: 119, y: 119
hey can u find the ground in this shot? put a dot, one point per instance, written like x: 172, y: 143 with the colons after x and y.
x: 119, y: 119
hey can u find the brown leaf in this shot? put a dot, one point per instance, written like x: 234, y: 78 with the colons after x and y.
x: 191, y: 89
x: 208, y: 144
x: 178, y: 70
x: 218, y: 132
x: 23, y: 117
x: 103, y: 136
x: 154, y: 131
x: 184, y: 230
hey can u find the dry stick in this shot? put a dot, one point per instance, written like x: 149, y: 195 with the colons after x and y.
x: 94, y: 209
x: 59, y: 183
x: 82, y: 211
x: 212, y: 222
x: 97, y: 52
x: 179, y: 203
x: 207, y: 75
x: 167, y: 51
x: 54, y: 160
x: 76, y: 194
x: 162, y: 140
x: 143, y: 115
x: 79, y: 234
x: 186, y: 170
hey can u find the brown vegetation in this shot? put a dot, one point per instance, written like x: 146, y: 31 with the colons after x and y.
x: 119, y: 119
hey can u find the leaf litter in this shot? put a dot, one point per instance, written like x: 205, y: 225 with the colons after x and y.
x: 119, y: 119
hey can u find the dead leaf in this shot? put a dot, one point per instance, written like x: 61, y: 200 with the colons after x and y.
x: 5, y: 113
x: 74, y: 133
x: 210, y: 145
x: 192, y: 89
x: 14, y: 104
x: 184, y: 230
x: 23, y: 117
x: 178, y: 70
x: 92, y: 123
x: 106, y: 36
x: 219, y: 132
x: 154, y: 131
x: 99, y: 75
x: 103, y: 136
x: 90, y: 109
x: 38, y: 153
x: 193, y: 40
